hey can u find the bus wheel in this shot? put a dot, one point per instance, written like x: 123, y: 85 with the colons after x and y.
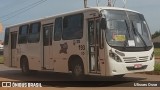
x: 78, y: 71
x: 25, y: 66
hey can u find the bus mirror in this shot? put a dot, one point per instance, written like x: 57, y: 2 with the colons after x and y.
x: 103, y: 23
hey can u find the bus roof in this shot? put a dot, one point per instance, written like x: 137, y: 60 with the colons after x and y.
x: 115, y: 8
x: 81, y: 10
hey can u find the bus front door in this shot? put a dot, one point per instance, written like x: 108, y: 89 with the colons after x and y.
x: 47, y: 47
x: 13, y: 48
x: 96, y: 54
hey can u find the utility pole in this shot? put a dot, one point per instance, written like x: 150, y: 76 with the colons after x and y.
x: 97, y: 3
x: 125, y: 2
x: 85, y: 3
x: 110, y: 3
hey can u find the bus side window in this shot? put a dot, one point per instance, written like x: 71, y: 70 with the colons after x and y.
x: 47, y: 35
x: 58, y: 29
x: 34, y: 33
x: 91, y: 32
x: 23, y: 34
x: 6, y: 38
x: 73, y: 27
x: 101, y: 36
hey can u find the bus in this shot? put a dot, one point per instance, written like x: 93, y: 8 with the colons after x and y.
x: 100, y: 41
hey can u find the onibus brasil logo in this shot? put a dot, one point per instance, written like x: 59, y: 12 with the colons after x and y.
x: 20, y: 84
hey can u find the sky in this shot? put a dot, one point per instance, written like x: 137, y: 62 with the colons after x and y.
x: 17, y: 11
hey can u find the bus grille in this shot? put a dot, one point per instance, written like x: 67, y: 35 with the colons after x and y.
x: 136, y: 59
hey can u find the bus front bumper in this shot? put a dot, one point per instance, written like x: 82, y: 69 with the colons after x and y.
x: 124, y: 68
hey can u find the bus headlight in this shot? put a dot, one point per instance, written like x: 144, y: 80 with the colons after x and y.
x: 114, y: 56
x: 152, y: 56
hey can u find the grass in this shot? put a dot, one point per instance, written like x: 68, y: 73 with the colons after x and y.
x: 1, y: 59
x: 157, y: 52
x: 156, y: 70
x: 157, y: 67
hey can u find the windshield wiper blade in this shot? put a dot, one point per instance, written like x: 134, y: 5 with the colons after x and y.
x: 139, y: 35
x: 125, y: 43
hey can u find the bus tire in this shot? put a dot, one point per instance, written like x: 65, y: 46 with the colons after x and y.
x: 25, y: 66
x: 78, y: 70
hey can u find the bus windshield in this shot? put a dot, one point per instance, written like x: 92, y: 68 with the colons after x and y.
x: 126, y: 30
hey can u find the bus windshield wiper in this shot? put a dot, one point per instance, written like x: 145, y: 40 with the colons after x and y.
x: 139, y: 35
x: 125, y: 43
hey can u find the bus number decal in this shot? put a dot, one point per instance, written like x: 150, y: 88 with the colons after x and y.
x: 81, y: 47
x: 82, y: 53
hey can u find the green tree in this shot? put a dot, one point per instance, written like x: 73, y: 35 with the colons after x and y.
x: 156, y: 34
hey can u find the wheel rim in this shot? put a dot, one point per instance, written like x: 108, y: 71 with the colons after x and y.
x: 78, y: 70
x: 24, y: 68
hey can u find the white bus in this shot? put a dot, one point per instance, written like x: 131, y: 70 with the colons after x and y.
x: 102, y: 41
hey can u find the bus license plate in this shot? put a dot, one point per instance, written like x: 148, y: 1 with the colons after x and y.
x: 138, y: 66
